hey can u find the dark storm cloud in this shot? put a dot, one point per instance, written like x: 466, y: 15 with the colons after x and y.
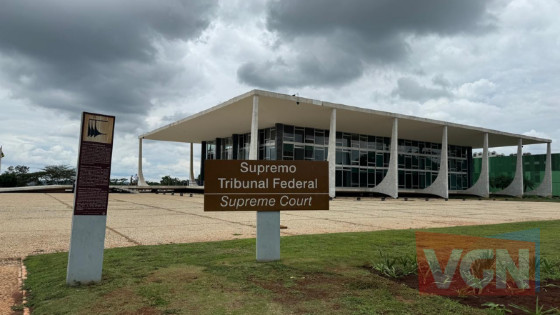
x: 440, y: 80
x: 361, y: 31
x: 102, y: 55
x: 308, y: 68
x: 408, y: 88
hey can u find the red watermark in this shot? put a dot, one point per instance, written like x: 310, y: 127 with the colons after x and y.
x: 467, y: 265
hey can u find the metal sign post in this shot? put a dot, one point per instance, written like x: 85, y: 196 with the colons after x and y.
x: 91, y: 194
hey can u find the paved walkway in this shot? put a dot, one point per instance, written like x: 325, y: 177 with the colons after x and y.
x: 41, y: 222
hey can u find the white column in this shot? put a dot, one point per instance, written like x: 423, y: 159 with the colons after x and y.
x: 440, y: 187
x: 332, y: 155
x: 268, y: 222
x: 141, y: 181
x: 191, y: 179
x: 390, y: 183
x: 482, y: 186
x: 515, y: 189
x: 545, y: 188
x: 254, y: 144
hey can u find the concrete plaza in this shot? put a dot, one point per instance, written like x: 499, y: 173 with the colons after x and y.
x: 40, y: 223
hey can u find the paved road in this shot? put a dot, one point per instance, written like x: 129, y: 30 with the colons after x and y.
x: 41, y: 222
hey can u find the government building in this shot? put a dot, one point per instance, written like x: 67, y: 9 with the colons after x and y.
x: 369, y: 151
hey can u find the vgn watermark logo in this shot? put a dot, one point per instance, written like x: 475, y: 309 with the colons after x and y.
x: 505, y: 264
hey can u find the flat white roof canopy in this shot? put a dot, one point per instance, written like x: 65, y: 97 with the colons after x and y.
x: 234, y: 117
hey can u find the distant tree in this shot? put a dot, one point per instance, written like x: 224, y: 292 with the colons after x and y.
x: 58, y: 174
x: 528, y: 184
x: 8, y: 180
x: 500, y: 182
x: 18, y: 170
x: 172, y: 181
x: 21, y: 175
x: 503, y: 181
x: 118, y: 181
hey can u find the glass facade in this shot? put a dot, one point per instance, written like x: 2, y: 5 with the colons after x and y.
x: 361, y: 160
x: 237, y: 146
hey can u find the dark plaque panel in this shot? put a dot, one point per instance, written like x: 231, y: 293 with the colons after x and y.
x: 241, y: 185
x: 94, y: 165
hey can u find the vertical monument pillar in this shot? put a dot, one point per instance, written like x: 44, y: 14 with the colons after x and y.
x: 332, y: 155
x: 268, y: 222
x: 440, y: 186
x: 91, y: 196
x: 191, y: 178
x: 390, y: 183
x: 141, y: 181
x: 545, y: 188
x: 482, y: 186
x: 515, y: 189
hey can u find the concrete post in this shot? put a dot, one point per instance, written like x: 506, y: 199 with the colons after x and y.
x: 141, y: 181
x: 515, y: 189
x: 332, y: 155
x: 545, y: 188
x: 390, y: 183
x: 191, y: 178
x: 440, y: 187
x: 87, y: 242
x: 268, y: 222
x: 482, y: 186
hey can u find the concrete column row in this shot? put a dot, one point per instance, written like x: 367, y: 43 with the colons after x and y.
x: 440, y: 187
x: 515, y: 188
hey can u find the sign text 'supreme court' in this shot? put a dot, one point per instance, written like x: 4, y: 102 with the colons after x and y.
x: 235, y: 185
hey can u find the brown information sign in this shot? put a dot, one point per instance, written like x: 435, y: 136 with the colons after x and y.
x: 237, y: 185
x: 94, y: 164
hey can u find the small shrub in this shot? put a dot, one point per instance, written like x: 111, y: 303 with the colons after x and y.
x: 396, y: 267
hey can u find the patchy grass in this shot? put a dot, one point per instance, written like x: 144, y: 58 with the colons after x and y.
x: 318, y: 274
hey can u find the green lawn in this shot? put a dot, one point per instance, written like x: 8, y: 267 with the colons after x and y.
x: 318, y: 274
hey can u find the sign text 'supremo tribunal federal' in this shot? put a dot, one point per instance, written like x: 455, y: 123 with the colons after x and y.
x: 235, y: 185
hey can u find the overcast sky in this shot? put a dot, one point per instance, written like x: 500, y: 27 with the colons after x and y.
x: 494, y: 64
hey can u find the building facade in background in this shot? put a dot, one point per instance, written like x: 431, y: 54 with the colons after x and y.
x: 369, y: 151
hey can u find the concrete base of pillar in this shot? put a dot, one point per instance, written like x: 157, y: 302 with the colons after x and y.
x: 477, y: 191
x: 87, y: 242
x: 515, y: 189
x: 545, y: 188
